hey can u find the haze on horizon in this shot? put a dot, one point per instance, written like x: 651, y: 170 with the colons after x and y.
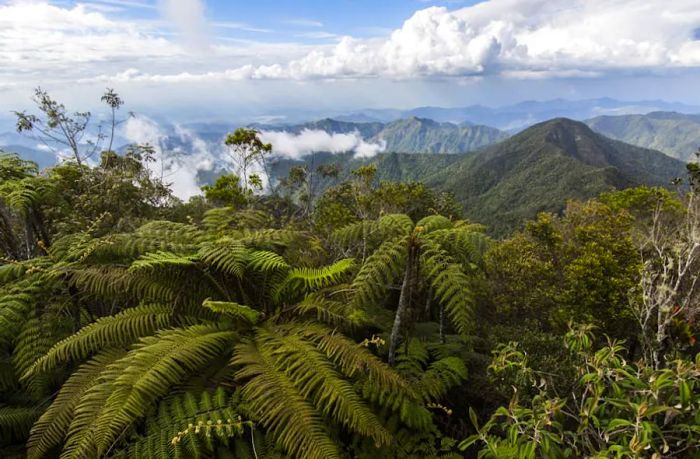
x: 197, y: 59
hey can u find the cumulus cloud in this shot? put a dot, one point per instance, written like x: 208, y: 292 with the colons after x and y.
x: 37, y: 36
x: 522, y: 39
x: 308, y: 141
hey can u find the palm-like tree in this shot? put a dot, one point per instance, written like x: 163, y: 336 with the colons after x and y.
x: 435, y: 256
x: 203, y: 332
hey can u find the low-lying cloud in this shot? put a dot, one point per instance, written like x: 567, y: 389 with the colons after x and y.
x: 296, y: 146
x: 177, y: 167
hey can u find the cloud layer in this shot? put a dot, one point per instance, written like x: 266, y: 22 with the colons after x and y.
x: 296, y: 146
x: 517, y: 39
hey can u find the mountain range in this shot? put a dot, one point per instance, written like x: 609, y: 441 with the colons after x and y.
x: 536, y: 170
x: 410, y: 135
x: 499, y: 177
x: 675, y: 134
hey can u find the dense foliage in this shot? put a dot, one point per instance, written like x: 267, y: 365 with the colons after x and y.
x: 367, y: 321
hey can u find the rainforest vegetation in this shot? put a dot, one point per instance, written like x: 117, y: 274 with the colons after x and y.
x: 263, y: 320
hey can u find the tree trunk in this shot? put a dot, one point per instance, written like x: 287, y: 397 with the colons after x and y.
x: 442, y: 323
x: 404, y: 302
x: 8, y: 239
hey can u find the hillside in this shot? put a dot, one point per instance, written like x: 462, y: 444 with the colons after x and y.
x: 420, y: 135
x: 545, y: 165
x: 410, y: 135
x: 676, y: 134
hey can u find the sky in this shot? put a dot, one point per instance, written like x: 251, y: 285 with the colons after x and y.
x: 224, y: 59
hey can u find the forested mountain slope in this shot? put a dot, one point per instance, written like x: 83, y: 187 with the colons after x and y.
x: 545, y: 165
x: 410, y: 135
x: 675, y: 134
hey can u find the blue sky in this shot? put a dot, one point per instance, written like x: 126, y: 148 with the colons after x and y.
x: 219, y: 59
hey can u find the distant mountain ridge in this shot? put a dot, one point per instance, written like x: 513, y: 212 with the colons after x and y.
x: 411, y: 135
x: 545, y: 165
x: 536, y: 170
x: 676, y: 134
x: 523, y: 114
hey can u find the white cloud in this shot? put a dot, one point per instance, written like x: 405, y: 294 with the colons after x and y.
x: 188, y: 18
x: 519, y: 39
x: 308, y: 141
x: 520, y: 36
x: 176, y: 166
x: 39, y: 37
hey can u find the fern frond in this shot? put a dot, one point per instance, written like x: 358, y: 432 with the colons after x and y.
x: 441, y: 376
x: 150, y: 369
x: 16, y: 270
x: 15, y: 421
x: 450, y: 285
x: 234, y: 310
x: 300, y: 281
x: 394, y: 225
x: 354, y: 232
x: 113, y: 331
x: 317, y: 379
x: 287, y: 416
x: 225, y: 219
x: 266, y: 262
x: 189, y: 425
x: 331, y: 311
x: 379, y: 271
x: 80, y: 437
x: 226, y: 255
x: 161, y: 260
x: 434, y: 222
x: 50, y: 429
x: 354, y: 359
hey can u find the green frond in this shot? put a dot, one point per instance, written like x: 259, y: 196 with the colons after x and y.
x: 267, y: 238
x: 15, y: 308
x: 101, y: 281
x: 265, y: 261
x: 288, y: 417
x: 233, y: 310
x: 462, y: 243
x: 354, y: 232
x: 189, y: 426
x: 23, y: 194
x: 113, y: 331
x: 50, y: 429
x: 16, y: 270
x: 412, y: 359
x: 393, y: 225
x: 162, y: 260
x: 441, y: 376
x: 435, y: 222
x: 15, y: 421
x: 317, y: 379
x: 331, y: 311
x: 227, y: 255
x: 305, y: 280
x: 150, y: 369
x: 380, y: 270
x: 80, y: 437
x: 450, y: 286
x: 356, y: 360
x: 225, y: 219
x: 34, y: 340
